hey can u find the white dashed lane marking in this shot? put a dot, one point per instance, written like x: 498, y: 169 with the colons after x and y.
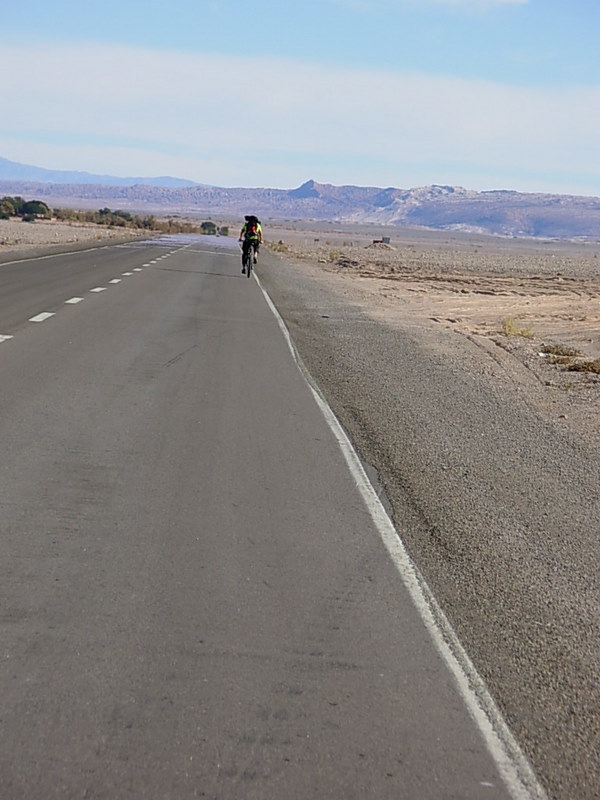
x: 74, y: 300
x: 42, y: 317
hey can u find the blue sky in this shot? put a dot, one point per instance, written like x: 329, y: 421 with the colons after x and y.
x: 485, y: 94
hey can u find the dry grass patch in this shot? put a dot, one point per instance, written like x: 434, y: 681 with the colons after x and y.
x: 561, y: 354
x: 592, y: 366
x: 278, y: 247
x: 570, y: 358
x: 510, y: 327
x: 561, y: 350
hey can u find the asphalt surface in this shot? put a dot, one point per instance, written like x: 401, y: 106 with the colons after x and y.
x: 195, y: 599
x: 497, y: 502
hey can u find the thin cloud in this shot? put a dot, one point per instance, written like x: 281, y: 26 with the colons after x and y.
x: 120, y: 110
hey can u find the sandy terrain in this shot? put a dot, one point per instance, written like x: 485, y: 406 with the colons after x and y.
x: 17, y: 237
x: 552, y: 295
x: 517, y: 296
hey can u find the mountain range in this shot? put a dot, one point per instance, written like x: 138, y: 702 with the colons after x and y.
x: 13, y: 171
x: 499, y: 212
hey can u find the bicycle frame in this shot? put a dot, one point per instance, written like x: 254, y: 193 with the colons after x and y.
x: 247, y: 257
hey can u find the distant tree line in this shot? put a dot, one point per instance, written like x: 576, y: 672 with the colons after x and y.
x: 30, y: 210
x: 106, y: 217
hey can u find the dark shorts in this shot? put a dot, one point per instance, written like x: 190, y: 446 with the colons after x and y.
x: 248, y: 243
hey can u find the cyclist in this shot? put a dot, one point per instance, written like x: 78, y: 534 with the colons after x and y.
x: 250, y: 236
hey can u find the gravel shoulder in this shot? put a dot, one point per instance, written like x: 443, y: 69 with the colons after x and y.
x: 487, y: 451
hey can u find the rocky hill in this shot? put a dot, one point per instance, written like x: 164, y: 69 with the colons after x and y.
x: 505, y: 213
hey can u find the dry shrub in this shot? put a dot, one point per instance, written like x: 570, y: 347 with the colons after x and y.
x: 586, y: 366
x: 511, y: 328
x: 278, y: 247
x: 561, y: 350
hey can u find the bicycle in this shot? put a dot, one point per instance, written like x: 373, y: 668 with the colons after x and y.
x: 247, y: 258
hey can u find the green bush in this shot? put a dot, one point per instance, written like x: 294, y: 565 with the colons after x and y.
x: 36, y: 208
x: 13, y: 206
x: 208, y: 228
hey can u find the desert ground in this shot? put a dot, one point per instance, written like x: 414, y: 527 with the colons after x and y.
x: 536, y: 301
x: 550, y: 291
x: 17, y: 237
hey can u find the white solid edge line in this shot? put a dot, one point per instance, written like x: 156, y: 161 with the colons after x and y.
x: 54, y: 255
x: 510, y: 760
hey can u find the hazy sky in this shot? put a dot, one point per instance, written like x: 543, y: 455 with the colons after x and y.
x: 485, y: 94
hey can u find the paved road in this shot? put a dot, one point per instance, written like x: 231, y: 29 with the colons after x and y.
x: 195, y: 600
